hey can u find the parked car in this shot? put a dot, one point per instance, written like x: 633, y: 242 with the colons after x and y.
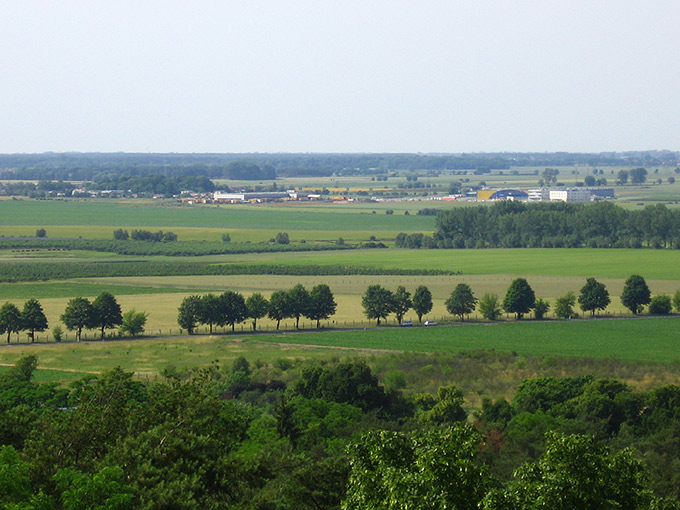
x: 431, y: 323
x: 406, y: 323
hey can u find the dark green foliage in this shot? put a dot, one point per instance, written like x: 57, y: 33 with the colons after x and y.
x: 299, y: 302
x: 401, y: 302
x: 377, y: 302
x: 350, y: 383
x: 33, y: 318
x: 447, y: 408
x: 41, y: 232
x: 78, y: 315
x: 189, y: 315
x: 423, y: 470
x: 556, y: 225
x: 564, y: 306
x: 210, y: 311
x: 233, y: 309
x: 10, y: 320
x: 282, y: 238
x: 146, y: 235
x: 422, y: 301
x: 541, y: 307
x: 575, y: 472
x: 322, y: 304
x: 520, y: 298
x: 257, y: 307
x: 635, y: 294
x: 660, y: 305
x: 280, y: 307
x: 594, y: 296
x: 121, y: 235
x: 111, y: 441
x: 106, y: 312
x: 546, y: 393
x: 155, y: 184
x: 462, y: 301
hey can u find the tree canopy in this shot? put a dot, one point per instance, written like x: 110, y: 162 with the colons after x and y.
x: 594, y: 296
x: 377, y: 302
x: 520, y: 298
x: 635, y: 294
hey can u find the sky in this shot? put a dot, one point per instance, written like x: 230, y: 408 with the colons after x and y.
x: 339, y: 76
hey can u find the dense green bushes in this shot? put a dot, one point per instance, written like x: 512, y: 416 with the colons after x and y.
x: 330, y: 436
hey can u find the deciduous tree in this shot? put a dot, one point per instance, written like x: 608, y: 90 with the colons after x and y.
x: 462, y: 301
x: 257, y: 307
x: 233, y: 308
x: 106, y: 312
x: 322, y: 304
x: 33, y: 318
x: 541, y: 307
x: 377, y: 302
x: 189, y: 313
x: 279, y: 307
x: 490, y: 306
x: 78, y: 315
x: 299, y: 301
x: 635, y: 294
x: 520, y: 298
x: 10, y: 320
x: 133, y: 323
x: 422, y: 301
x: 594, y: 296
x: 564, y: 306
x: 402, y: 303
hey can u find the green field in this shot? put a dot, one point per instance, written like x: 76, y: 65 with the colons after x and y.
x: 77, y: 217
x: 586, y: 262
x: 646, y: 340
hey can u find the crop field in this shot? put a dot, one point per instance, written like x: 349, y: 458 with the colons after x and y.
x: 586, y: 262
x: 212, y: 220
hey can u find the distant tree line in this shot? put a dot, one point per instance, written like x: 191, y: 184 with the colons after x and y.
x: 144, y: 235
x: 551, y: 225
x: 155, y: 184
x: 99, y: 167
x: 41, y: 189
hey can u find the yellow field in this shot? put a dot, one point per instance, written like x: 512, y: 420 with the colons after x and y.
x: 348, y: 290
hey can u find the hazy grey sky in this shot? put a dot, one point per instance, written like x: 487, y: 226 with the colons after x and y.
x: 339, y: 76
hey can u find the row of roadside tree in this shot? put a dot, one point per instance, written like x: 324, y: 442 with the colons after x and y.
x: 520, y: 299
x: 231, y: 308
x: 103, y: 313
